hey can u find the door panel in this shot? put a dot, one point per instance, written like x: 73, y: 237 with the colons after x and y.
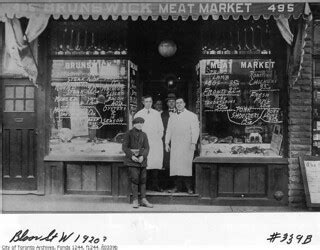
x: 19, y: 132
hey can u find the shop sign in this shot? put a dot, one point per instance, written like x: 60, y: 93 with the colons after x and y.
x: 310, y: 170
x: 155, y: 9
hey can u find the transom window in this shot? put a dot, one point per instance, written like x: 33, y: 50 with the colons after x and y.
x: 19, y: 99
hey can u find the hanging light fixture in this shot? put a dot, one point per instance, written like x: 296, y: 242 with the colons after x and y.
x: 167, y: 48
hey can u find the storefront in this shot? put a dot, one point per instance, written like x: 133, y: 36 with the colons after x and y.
x: 244, y: 69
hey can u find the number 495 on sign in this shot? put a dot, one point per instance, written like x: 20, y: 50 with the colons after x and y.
x: 281, y: 7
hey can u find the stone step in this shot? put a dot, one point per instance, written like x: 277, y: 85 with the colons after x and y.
x: 181, y: 198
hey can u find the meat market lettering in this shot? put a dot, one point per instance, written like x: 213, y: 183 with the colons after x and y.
x: 215, y: 8
x: 257, y: 64
x: 174, y: 8
x: 204, y: 8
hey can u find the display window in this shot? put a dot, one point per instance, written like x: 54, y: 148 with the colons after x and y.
x: 89, y: 105
x: 240, y: 111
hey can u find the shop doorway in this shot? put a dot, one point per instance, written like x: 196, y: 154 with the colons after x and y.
x: 161, y: 74
x: 19, y: 135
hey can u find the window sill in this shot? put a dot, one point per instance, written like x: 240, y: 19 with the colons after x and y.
x: 84, y: 158
x: 237, y: 159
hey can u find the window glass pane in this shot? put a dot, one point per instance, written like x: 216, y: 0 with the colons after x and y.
x: 19, y: 105
x: 240, y: 107
x: 29, y: 92
x: 9, y: 105
x: 29, y: 105
x: 9, y: 92
x: 89, y: 106
x: 19, y: 92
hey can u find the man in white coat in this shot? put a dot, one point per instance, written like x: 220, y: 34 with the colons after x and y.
x: 183, y: 132
x: 153, y: 127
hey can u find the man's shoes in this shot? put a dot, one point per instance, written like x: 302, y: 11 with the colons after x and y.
x: 174, y: 190
x: 135, y: 203
x: 157, y: 189
x: 190, y: 191
x: 146, y: 203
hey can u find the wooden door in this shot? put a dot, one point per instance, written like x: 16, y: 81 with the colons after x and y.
x: 19, y: 132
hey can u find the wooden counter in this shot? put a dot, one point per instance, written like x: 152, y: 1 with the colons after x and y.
x: 221, y: 179
x: 87, y: 174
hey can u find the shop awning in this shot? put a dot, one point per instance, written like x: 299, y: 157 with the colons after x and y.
x: 153, y: 9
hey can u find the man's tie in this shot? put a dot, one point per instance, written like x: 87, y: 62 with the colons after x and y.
x: 172, y: 110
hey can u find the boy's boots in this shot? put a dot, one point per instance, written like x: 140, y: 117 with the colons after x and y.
x: 135, y: 203
x: 146, y: 203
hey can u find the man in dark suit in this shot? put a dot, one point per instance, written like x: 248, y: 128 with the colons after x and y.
x: 165, y: 115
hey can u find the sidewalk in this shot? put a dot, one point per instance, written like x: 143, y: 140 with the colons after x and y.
x: 85, y: 204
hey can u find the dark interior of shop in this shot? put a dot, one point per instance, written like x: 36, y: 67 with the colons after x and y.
x: 161, y: 75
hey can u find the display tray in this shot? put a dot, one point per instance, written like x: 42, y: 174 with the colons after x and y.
x: 81, y: 146
x: 238, y: 161
x: 83, y: 158
x: 250, y: 150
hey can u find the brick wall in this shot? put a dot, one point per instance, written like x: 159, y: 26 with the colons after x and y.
x: 1, y: 45
x: 300, y: 125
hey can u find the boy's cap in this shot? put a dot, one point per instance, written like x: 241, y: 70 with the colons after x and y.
x: 138, y: 120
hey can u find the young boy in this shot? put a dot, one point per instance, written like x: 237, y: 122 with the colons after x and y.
x: 136, y: 147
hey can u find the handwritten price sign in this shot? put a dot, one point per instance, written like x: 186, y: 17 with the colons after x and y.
x: 245, y: 89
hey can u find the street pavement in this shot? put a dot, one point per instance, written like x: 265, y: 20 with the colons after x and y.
x: 85, y: 204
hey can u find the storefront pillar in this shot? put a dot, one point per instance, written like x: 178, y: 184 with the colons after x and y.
x: 300, y: 123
